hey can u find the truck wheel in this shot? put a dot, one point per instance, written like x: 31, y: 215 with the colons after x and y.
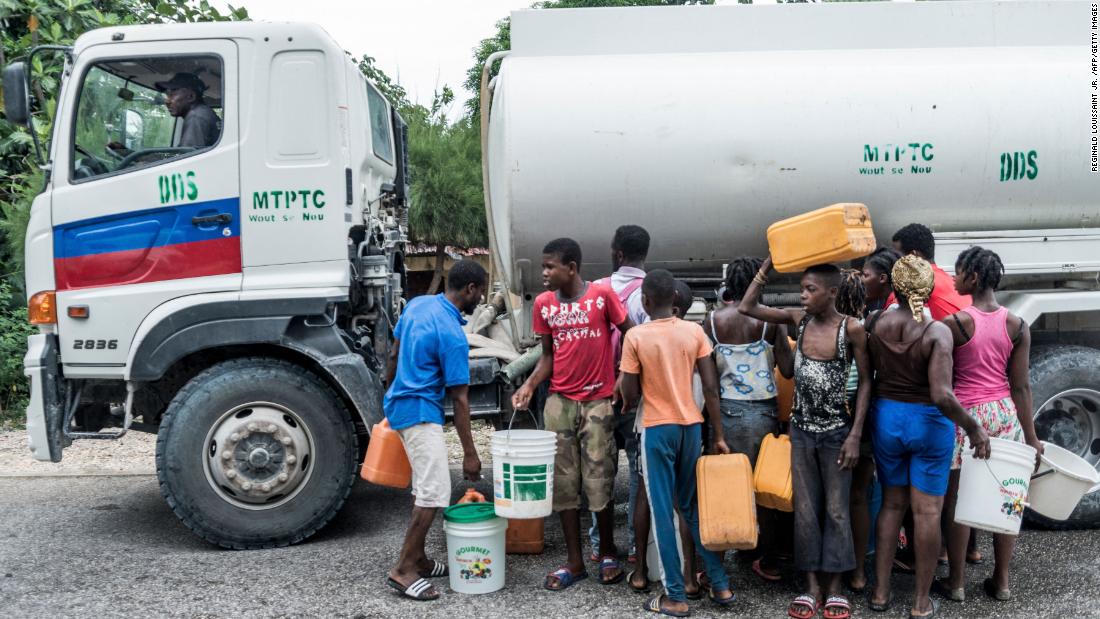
x: 1065, y: 382
x: 256, y: 453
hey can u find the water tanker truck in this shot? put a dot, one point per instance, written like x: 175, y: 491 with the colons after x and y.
x: 234, y: 292
x: 707, y: 124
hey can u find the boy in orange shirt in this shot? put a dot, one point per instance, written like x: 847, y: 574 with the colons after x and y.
x: 659, y: 359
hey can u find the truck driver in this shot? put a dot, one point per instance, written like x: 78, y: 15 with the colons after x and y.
x: 183, y: 98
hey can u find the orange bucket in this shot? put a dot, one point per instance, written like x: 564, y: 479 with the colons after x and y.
x: 386, y: 463
x: 525, y: 536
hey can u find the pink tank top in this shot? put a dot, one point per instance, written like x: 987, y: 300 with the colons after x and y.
x: 981, y: 364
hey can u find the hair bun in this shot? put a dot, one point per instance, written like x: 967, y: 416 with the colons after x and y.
x: 913, y: 279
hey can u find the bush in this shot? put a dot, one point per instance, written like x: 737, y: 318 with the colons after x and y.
x: 14, y: 330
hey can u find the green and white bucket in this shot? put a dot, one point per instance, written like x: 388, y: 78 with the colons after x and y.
x: 523, y: 473
x: 475, y: 547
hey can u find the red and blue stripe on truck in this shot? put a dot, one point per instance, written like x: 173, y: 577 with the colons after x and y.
x: 188, y: 240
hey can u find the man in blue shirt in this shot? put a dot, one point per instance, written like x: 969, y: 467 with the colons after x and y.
x: 429, y: 355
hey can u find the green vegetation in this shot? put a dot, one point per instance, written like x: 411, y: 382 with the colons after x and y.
x: 447, y: 204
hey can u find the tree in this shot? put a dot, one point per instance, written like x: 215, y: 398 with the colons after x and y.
x: 447, y: 206
x: 502, y: 40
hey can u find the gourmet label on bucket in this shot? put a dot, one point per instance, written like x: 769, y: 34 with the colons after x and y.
x: 474, y: 562
x: 1013, y: 497
x: 521, y: 483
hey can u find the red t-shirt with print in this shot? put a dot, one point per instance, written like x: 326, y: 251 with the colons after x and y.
x: 584, y: 360
x: 943, y: 301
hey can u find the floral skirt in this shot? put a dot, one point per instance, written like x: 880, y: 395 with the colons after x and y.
x: 998, y: 419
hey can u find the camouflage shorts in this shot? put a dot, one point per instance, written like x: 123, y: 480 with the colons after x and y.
x: 586, y: 451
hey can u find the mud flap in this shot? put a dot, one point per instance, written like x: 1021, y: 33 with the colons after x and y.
x: 45, y: 414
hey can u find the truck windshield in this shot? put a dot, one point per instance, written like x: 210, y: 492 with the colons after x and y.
x: 139, y: 112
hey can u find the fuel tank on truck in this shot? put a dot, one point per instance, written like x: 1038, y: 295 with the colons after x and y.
x: 705, y: 124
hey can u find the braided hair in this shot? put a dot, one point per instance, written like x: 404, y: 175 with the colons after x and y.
x: 851, y: 297
x: 983, y: 263
x: 882, y: 261
x: 913, y: 281
x: 739, y: 275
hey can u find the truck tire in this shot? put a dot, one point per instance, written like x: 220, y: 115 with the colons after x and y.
x: 1065, y: 383
x: 256, y: 453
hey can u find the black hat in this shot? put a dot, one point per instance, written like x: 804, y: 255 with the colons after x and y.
x: 183, y: 80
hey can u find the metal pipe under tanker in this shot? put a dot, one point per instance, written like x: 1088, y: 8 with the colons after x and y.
x: 707, y: 124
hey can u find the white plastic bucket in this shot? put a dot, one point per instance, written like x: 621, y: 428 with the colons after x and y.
x: 993, y: 492
x: 476, y: 555
x: 1062, y: 479
x: 523, y: 473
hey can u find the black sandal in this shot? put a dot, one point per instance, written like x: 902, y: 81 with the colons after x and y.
x: 437, y: 570
x: 420, y: 590
x: 653, y: 605
x: 636, y: 589
x: 877, y: 607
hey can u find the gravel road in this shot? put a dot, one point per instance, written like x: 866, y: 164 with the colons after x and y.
x: 109, y: 546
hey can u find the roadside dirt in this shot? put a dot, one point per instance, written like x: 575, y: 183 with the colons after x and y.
x: 133, y: 454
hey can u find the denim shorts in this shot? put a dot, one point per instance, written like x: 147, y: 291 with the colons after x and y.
x: 913, y: 445
x: 745, y: 422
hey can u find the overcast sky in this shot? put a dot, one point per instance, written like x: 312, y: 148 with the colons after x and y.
x: 424, y: 44
x: 421, y: 43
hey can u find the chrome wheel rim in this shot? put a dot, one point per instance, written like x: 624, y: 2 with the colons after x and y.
x: 258, y: 455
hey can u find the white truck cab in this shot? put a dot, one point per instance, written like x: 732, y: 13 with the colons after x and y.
x: 224, y: 271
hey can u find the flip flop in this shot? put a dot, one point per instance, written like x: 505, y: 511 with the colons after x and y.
x: 437, y: 570
x: 942, y: 589
x: 880, y: 608
x: 635, y: 588
x: 720, y: 601
x: 837, y: 602
x: 566, y: 579
x: 990, y: 588
x: 805, y: 601
x: 758, y: 569
x: 980, y: 560
x: 653, y: 605
x: 419, y: 590
x: 696, y: 595
x: 610, y: 563
x: 931, y: 615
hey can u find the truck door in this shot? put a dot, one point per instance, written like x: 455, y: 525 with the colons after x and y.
x: 146, y: 191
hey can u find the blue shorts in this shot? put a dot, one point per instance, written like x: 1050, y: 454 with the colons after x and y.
x: 913, y: 444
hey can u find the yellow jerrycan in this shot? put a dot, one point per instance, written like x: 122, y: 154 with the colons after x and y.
x: 772, y: 477
x: 832, y: 234
x: 727, y: 510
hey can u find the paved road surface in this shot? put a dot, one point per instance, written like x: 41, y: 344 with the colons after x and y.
x: 109, y: 546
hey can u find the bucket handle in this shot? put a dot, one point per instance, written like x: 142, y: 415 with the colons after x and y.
x: 1044, y: 474
x: 508, y: 439
x: 998, y: 480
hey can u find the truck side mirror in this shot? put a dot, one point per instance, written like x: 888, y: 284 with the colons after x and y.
x: 17, y: 103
